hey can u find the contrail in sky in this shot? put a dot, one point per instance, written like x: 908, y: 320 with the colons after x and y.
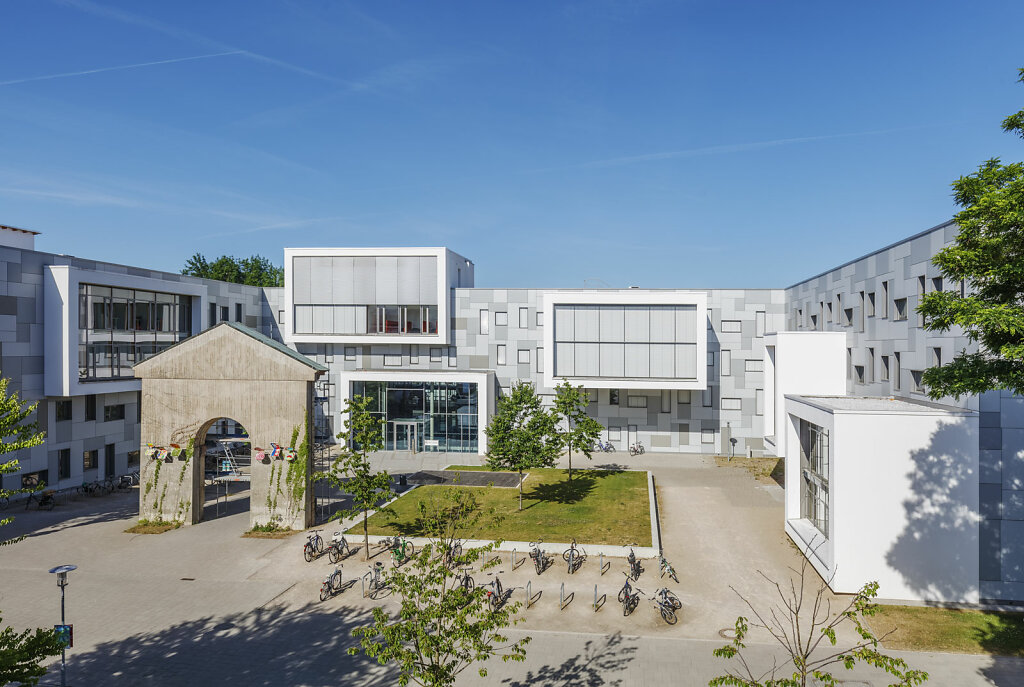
x: 123, y: 66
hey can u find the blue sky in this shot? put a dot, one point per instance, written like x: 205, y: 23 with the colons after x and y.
x: 659, y: 144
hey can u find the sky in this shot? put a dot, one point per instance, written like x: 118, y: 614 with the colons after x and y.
x: 556, y: 144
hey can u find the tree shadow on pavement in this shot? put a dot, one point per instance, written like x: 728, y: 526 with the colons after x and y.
x: 594, y: 667
x: 79, y: 512
x: 266, y: 646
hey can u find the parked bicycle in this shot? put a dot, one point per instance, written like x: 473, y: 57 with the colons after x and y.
x: 629, y: 597
x: 541, y: 560
x: 338, y: 546
x: 495, y: 593
x: 636, y: 449
x: 606, y: 447
x: 667, y: 604
x: 401, y: 549
x: 374, y: 580
x: 314, y: 545
x: 464, y: 580
x: 452, y: 555
x: 666, y: 568
x: 124, y: 483
x: 634, y: 565
x: 331, y: 584
x: 42, y: 500
x: 574, y: 557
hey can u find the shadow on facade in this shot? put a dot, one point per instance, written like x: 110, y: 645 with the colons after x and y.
x: 271, y: 646
x: 595, y: 666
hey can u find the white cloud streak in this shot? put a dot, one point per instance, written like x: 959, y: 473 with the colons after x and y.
x: 120, y: 67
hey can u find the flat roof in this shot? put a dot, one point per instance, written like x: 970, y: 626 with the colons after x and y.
x: 24, y: 231
x: 878, y: 404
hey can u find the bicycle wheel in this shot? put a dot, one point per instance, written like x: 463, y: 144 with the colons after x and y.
x: 622, y: 595
x: 410, y: 550
x: 307, y: 551
x: 325, y: 591
x: 468, y: 584
x: 566, y: 555
x: 336, y: 580
x: 641, y: 449
x: 333, y: 553
x: 668, y: 615
x: 318, y: 542
x: 676, y: 603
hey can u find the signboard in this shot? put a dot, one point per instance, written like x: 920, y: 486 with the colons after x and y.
x: 431, y: 442
x: 65, y: 635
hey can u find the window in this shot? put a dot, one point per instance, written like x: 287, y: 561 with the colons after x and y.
x: 847, y: 317
x: 753, y: 365
x: 112, y: 413
x: 501, y: 319
x: 870, y: 372
x: 683, y: 397
x: 63, y: 410
x: 32, y: 480
x: 350, y: 354
x: 636, y: 401
x: 885, y: 299
x: 726, y: 363
x: 684, y: 435
x: 732, y: 404
x: 732, y: 326
x: 613, y: 397
x: 707, y: 436
x: 863, y: 311
x: 849, y: 363
x: 213, y: 314
x: 839, y: 309
x: 814, y: 461
x: 899, y: 309
x: 223, y: 313
x: 453, y: 358
x: 936, y: 283
x: 540, y: 319
x: 133, y: 458
x: 90, y: 460
x: 706, y: 397
x: 884, y: 372
x: 90, y: 407
x: 138, y: 407
x: 828, y: 311
x: 814, y: 321
x: 392, y: 360
x: 280, y: 316
x: 936, y: 356
x: 870, y: 305
x: 915, y: 375
x: 540, y: 359
x: 666, y: 401
x: 485, y: 322
x: 614, y: 433
x: 524, y: 356
x: 921, y: 281
x: 711, y: 358
x: 414, y: 355
x: 501, y: 354
x: 759, y: 323
x: 238, y: 312
x: 758, y: 401
x: 524, y: 318
x: 108, y: 460
x: 858, y: 373
x: 64, y: 463
x: 896, y: 381
x: 435, y: 355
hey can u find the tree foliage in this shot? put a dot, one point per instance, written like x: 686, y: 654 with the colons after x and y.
x: 522, y: 434
x: 252, y: 271
x: 988, y: 254
x: 581, y: 430
x: 16, y: 434
x: 21, y: 654
x: 351, y: 471
x: 442, y: 628
x: 807, y: 628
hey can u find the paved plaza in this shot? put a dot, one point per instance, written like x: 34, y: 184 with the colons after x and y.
x: 202, y: 605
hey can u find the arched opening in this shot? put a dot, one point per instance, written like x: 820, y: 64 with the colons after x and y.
x: 225, y: 453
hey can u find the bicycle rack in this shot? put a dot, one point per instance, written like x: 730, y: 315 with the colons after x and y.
x: 598, y: 603
x: 514, y: 564
x: 564, y: 600
x: 604, y: 568
x: 363, y: 580
x: 529, y: 594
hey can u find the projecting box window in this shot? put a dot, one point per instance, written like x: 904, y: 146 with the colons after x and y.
x: 899, y: 309
x: 524, y: 356
x: 350, y: 354
x: 707, y: 436
x: 435, y: 355
x: 501, y: 354
x: 501, y: 319
x: 524, y: 318
x: 636, y: 401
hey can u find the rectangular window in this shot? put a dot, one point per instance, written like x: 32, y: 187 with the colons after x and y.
x: 684, y: 435
x: 707, y: 436
x: 711, y: 358
x: 758, y: 401
x: 936, y: 283
x: 847, y: 317
x: 414, y: 355
x: 435, y: 355
x: 636, y: 401
x: 726, y: 363
x: 936, y: 356
x: 108, y: 460
x: 501, y: 319
x: 540, y: 319
x: 885, y: 300
x: 849, y: 363
x: 858, y: 374
x: 828, y: 311
x: 613, y: 397
x: 705, y: 397
x: 112, y: 413
x: 453, y: 358
x: 614, y: 433
x: 870, y: 305
x: 666, y: 401
x: 524, y: 318
x: 683, y: 397
x: 732, y: 404
x: 133, y: 458
x: 540, y: 359
x: 884, y: 370
x: 213, y: 314
x: 814, y: 321
x: 392, y: 360
x: 280, y: 316
x: 753, y: 365
x: 814, y: 461
x: 759, y: 323
x: 90, y: 407
x: 899, y: 309
x: 732, y: 326
x: 897, y: 382
x: 63, y: 410
x: 863, y: 311
x: 485, y: 322
x: 90, y: 460
x: 223, y: 313
x: 501, y: 354
x: 350, y: 354
x: 524, y: 356
x: 915, y: 376
x: 921, y: 281
x: 870, y: 364
x: 238, y: 312
x: 64, y: 463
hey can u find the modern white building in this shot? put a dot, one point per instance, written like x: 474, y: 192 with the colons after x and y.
x: 712, y: 371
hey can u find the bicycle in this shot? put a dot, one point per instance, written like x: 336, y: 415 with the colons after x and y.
x: 541, y: 560
x: 331, y: 584
x: 574, y: 557
x: 337, y: 545
x: 453, y: 554
x: 314, y: 545
x: 374, y: 579
x: 134, y: 476
x: 636, y: 449
x: 629, y: 597
x: 634, y: 565
x: 667, y: 569
x: 401, y: 549
x: 495, y: 594
x: 667, y: 604
x: 606, y: 447
x: 124, y: 483
x: 464, y: 581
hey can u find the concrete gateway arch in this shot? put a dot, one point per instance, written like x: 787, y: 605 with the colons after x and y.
x: 227, y: 371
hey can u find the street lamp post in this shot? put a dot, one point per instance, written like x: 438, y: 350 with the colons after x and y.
x: 62, y: 582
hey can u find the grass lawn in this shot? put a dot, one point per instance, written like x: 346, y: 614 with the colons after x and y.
x: 944, y: 629
x: 599, y: 507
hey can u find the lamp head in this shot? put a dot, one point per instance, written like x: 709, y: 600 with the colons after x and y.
x: 62, y: 573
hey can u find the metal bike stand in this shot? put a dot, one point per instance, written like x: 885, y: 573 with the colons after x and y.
x: 596, y: 607
x: 529, y: 593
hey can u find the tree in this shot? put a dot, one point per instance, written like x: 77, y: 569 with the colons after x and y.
x: 809, y: 637
x: 442, y: 628
x: 21, y: 654
x: 581, y: 430
x: 16, y: 433
x: 351, y: 471
x: 522, y: 434
x: 988, y: 254
x: 252, y: 271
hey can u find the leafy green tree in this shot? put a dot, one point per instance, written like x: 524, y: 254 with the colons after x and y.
x: 805, y: 626
x: 351, y: 471
x: 988, y: 254
x: 21, y: 653
x: 252, y: 271
x: 442, y: 628
x: 522, y: 434
x: 581, y: 430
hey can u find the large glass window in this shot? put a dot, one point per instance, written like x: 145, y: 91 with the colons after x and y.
x: 424, y: 416
x: 814, y: 459
x: 120, y: 327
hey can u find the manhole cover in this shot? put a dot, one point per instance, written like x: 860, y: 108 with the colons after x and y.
x: 727, y: 633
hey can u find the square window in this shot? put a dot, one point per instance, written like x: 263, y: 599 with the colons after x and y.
x: 707, y: 436
x: 524, y: 318
x: 501, y: 319
x: 524, y: 356
x: 636, y: 401
x: 63, y: 409
x: 614, y: 433
x: 350, y: 354
x: 90, y: 460
x: 435, y: 355
x: 501, y: 354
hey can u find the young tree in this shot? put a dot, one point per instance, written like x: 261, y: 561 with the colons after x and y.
x: 808, y: 637
x: 442, y: 627
x: 16, y: 433
x: 522, y: 434
x: 988, y: 254
x: 21, y: 654
x: 351, y: 471
x: 581, y: 430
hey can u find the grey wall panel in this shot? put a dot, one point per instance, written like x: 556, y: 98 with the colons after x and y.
x: 428, y: 281
x: 613, y: 324
x: 300, y: 280
x: 387, y: 280
x: 408, y: 280
x: 638, y: 358
x: 638, y: 325
x: 342, y: 280
x: 364, y: 282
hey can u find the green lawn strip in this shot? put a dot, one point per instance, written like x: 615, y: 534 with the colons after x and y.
x: 598, y: 507
x: 942, y: 629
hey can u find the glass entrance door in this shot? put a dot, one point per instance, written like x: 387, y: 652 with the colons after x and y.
x: 405, y: 437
